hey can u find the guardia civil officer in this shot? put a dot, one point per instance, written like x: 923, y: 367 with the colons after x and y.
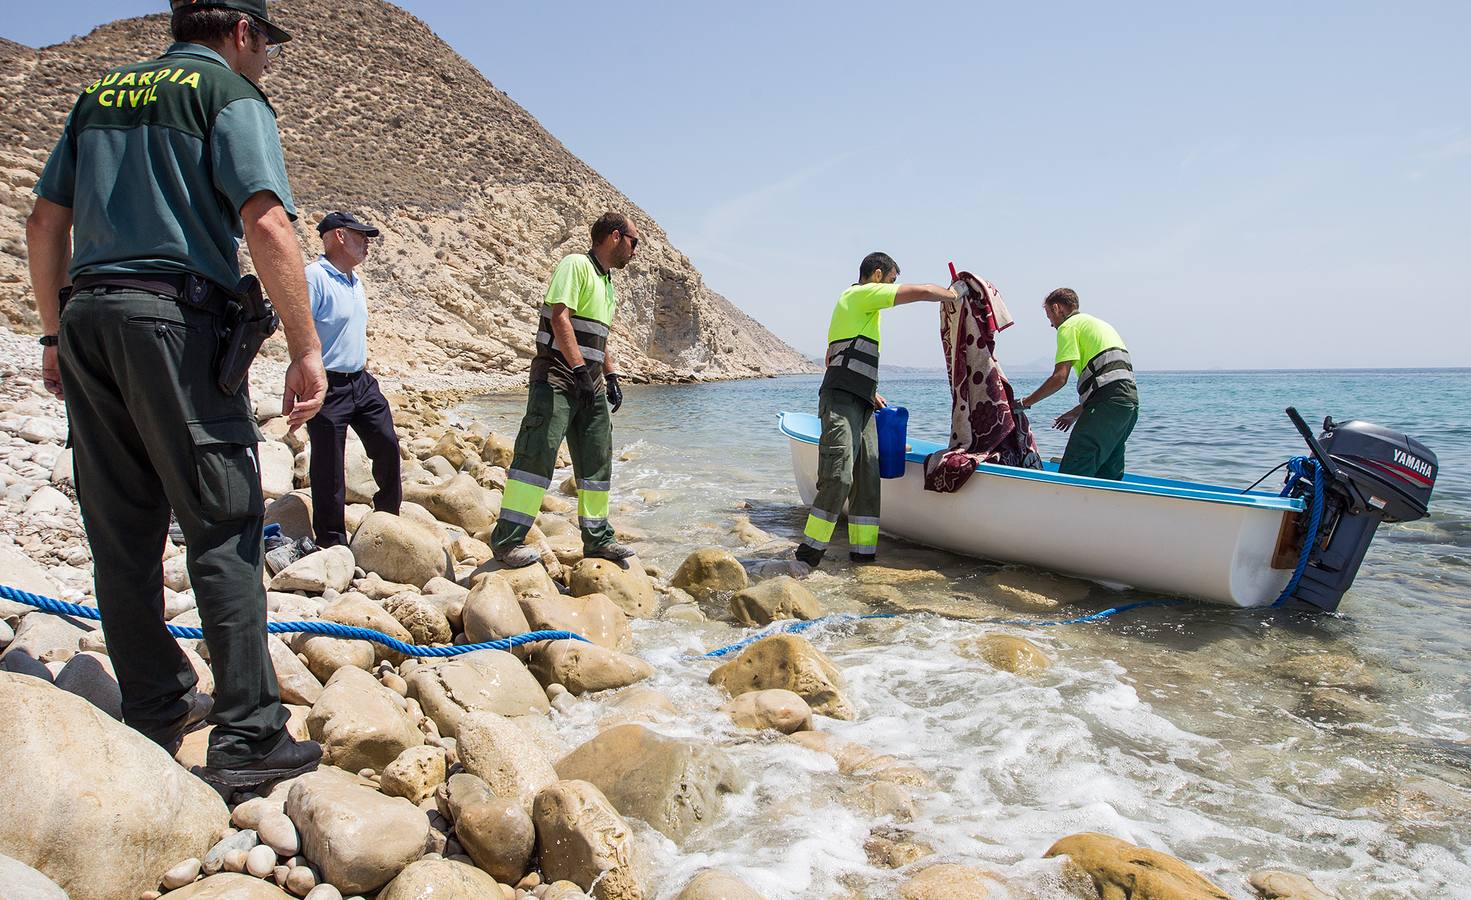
x: 1108, y: 398
x: 848, y: 456
x: 574, y: 388
x: 162, y: 166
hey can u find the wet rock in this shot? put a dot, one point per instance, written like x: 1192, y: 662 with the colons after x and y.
x: 90, y: 676
x: 415, y: 774
x: 441, y: 879
x: 585, y: 668
x: 1120, y: 869
x: 715, y: 884
x: 709, y: 571
x: 400, y: 550
x: 563, y: 890
x: 358, y: 838
x: 293, y: 512
x: 87, y: 774
x: 458, y: 501
x: 585, y: 841
x: 359, y: 723
x: 673, y: 785
x: 629, y: 588
x: 498, y: 752
x: 496, y: 832
x: 788, y: 662
x: 483, y: 681
x: 782, y: 597
x: 1273, y: 884
x: 229, y: 886
x: 491, y: 611
x: 891, y: 576
x: 297, y: 683
x: 1335, y: 670
x: 883, y: 800
x: 594, y: 616
x: 1006, y: 652
x: 777, y: 709
x: 641, y: 704
x: 890, y: 848
x: 25, y: 883
x: 324, y: 656
x: 1034, y: 591
x: 424, y: 620
x: 948, y: 881
x: 316, y: 573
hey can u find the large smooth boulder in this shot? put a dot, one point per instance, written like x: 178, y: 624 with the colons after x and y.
x: 317, y: 573
x: 491, y: 611
x: 277, y: 468
x: 948, y: 881
x: 400, y: 550
x: 585, y: 841
x: 293, y: 512
x: 458, y: 501
x: 324, y: 656
x: 104, y: 811
x: 1006, y: 652
x: 359, y: 723
x: 504, y: 756
x: 358, y: 838
x: 1121, y: 870
x: 424, y: 619
x: 782, y: 597
x: 356, y: 611
x: 486, y: 680
x: 672, y: 784
x: 630, y: 588
x: 584, y: 668
x: 441, y: 879
x: 715, y: 884
x: 22, y: 882
x: 229, y: 886
x: 297, y: 683
x: 788, y: 662
x: 496, y: 832
x: 776, y: 708
x: 709, y: 571
x: 1274, y: 884
x: 89, y: 675
x: 41, y: 638
x: 594, y: 616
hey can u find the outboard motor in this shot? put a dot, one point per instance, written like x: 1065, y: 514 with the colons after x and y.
x: 1371, y: 475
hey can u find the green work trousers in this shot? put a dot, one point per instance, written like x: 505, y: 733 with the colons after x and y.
x: 551, y: 415
x: 847, y: 473
x: 1096, y: 446
x: 151, y: 432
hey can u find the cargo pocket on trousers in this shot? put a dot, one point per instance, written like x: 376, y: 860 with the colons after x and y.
x: 227, y: 468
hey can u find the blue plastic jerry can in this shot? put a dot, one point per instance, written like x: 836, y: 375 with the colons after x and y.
x: 892, y: 423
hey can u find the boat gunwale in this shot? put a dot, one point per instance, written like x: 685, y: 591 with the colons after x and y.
x: 1186, y: 491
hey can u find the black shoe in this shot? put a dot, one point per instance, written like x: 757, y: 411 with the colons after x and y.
x: 862, y: 558
x: 614, y: 552
x: 171, y: 737
x: 289, y: 759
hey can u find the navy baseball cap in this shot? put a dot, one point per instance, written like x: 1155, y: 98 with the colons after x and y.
x: 341, y: 219
x: 256, y: 9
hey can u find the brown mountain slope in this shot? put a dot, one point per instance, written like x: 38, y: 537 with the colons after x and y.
x: 476, y: 199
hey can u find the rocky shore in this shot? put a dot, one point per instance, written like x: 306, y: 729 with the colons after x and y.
x: 448, y: 777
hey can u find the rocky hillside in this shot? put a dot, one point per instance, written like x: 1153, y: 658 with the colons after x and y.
x: 476, y: 199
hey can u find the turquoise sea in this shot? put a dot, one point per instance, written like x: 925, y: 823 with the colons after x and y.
x: 1335, y: 746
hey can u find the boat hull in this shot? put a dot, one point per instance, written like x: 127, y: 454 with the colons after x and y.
x: 1155, y: 540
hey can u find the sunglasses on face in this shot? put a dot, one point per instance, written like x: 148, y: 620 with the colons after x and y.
x: 632, y: 241
x: 272, y: 50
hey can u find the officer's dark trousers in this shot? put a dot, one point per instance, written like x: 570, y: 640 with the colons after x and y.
x: 1096, y: 446
x: 151, y: 431
x: 847, y: 475
x: 353, y: 401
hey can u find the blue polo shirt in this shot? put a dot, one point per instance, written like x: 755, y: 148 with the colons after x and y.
x: 340, y: 309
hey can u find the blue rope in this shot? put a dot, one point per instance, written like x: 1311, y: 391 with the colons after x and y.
x: 330, y: 629
x: 1298, y: 469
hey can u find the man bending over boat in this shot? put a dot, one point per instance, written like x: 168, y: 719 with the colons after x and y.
x: 848, y: 457
x: 1108, y: 400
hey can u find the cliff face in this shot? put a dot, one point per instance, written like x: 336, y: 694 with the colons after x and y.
x: 476, y: 200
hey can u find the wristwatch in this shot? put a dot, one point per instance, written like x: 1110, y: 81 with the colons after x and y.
x: 49, y: 340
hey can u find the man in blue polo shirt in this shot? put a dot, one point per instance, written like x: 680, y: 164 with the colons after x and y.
x: 340, y: 309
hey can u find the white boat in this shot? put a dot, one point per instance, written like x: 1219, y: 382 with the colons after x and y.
x: 1176, y: 538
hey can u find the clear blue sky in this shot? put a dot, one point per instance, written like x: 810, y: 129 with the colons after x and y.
x: 1250, y: 185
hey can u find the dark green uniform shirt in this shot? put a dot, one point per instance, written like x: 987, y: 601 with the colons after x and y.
x: 157, y: 159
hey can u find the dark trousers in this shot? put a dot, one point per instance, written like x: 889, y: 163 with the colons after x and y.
x: 1096, y: 446
x: 847, y: 475
x: 150, y: 431
x: 353, y: 401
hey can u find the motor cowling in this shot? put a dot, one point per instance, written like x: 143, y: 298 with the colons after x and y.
x: 1394, y: 473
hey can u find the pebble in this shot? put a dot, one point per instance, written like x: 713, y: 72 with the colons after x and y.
x: 277, y: 832
x: 301, y: 881
x: 235, y: 860
x: 395, y: 683
x: 249, y: 813
x: 181, y: 874
x: 7, y: 634
x: 324, y: 892
x: 261, y: 861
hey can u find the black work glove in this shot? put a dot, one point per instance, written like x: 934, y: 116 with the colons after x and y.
x: 585, y: 389
x: 615, y: 393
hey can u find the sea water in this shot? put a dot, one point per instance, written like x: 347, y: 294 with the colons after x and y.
x: 1184, y: 728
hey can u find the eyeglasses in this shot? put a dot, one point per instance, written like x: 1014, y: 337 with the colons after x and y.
x: 272, y: 50
x: 632, y: 240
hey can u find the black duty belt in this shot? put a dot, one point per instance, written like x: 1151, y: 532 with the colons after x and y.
x: 184, y: 289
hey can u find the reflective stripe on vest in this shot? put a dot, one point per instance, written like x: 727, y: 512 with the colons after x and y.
x: 1107, y: 367
x: 853, y: 364
x: 592, y: 336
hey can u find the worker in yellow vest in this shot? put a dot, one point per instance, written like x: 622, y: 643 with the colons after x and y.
x: 848, y: 457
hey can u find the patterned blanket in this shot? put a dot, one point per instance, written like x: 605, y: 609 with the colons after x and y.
x: 986, y: 423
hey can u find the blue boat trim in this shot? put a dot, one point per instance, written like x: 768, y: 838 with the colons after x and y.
x: 807, y: 429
